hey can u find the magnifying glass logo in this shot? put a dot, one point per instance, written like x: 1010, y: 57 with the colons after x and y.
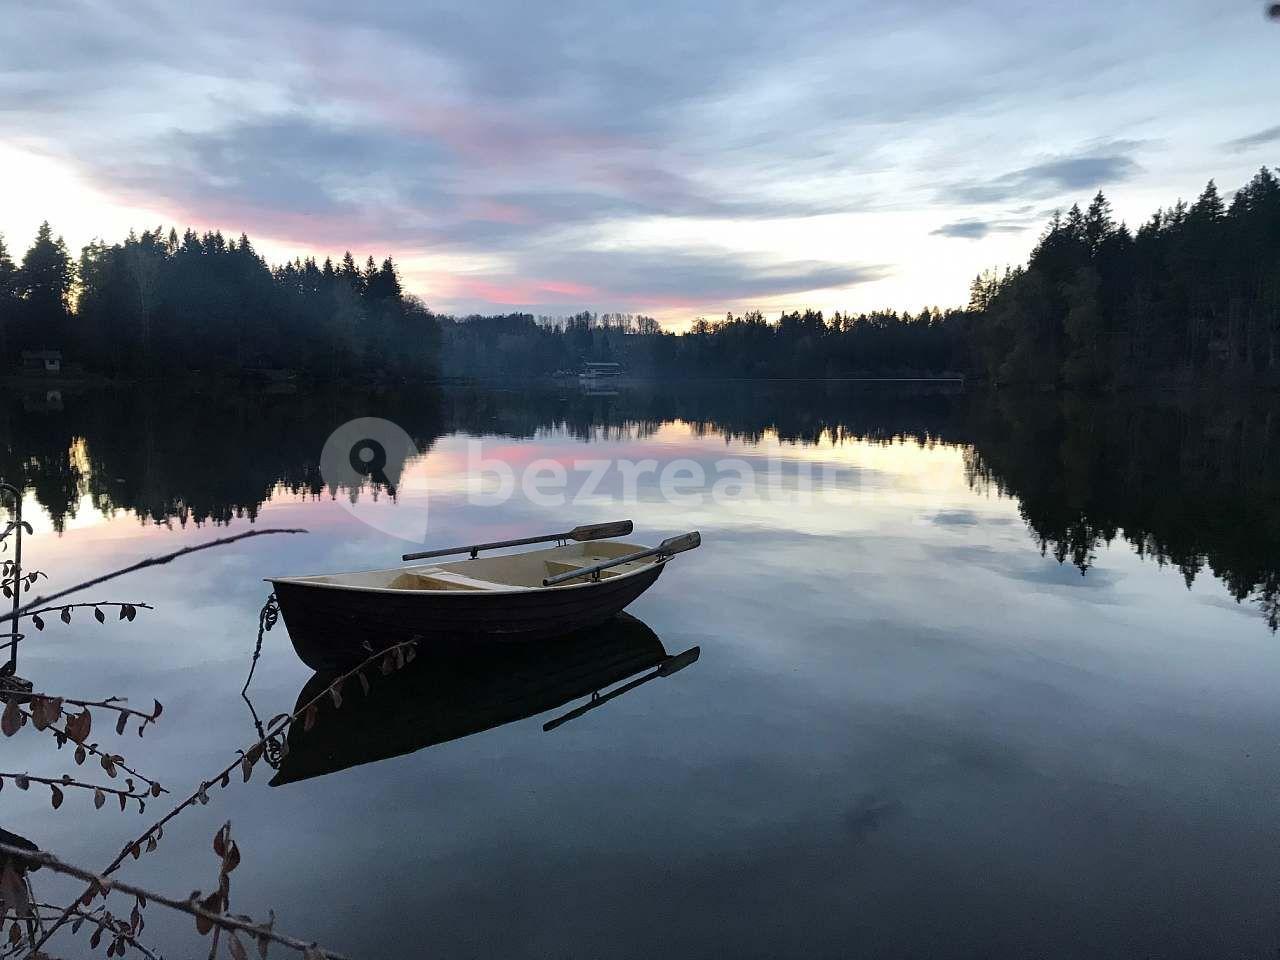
x: 368, y: 458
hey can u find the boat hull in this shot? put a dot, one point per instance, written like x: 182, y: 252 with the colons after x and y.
x: 333, y: 627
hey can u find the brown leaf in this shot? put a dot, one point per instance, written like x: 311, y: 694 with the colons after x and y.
x: 79, y: 725
x: 99, y: 798
x: 109, y: 765
x: 232, y: 859
x: 120, y: 722
x: 15, y: 933
x: 66, y: 614
x: 220, y: 842
x: 364, y: 682
x: 35, y: 618
x: 264, y: 944
x: 309, y: 717
x: 159, y: 707
x: 57, y: 796
x: 155, y: 790
x: 21, y: 781
x: 123, y: 800
x: 151, y: 843
x: 13, y: 719
x: 335, y: 691
x: 236, y: 947
x: 388, y: 664
x: 99, y: 615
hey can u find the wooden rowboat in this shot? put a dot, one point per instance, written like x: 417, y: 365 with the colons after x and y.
x: 336, y: 620
x: 452, y: 692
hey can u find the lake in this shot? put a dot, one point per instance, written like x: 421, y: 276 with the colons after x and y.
x: 978, y: 675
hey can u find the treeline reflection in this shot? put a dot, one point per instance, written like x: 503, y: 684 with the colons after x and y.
x: 1191, y: 484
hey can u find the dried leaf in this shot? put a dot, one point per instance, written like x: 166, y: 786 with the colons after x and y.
x: 155, y: 790
x: 21, y: 781
x: 232, y: 859
x: 109, y: 765
x: 99, y: 615
x: 123, y: 801
x: 309, y: 717
x: 66, y: 614
x: 99, y: 798
x: 151, y: 844
x: 264, y: 944
x: 236, y: 947
x: 79, y: 725
x: 15, y: 933
x: 12, y: 719
x: 96, y: 938
x: 35, y: 618
x: 364, y: 682
x: 57, y: 796
x: 335, y: 691
x: 159, y: 707
x: 120, y: 722
x: 388, y: 664
x: 220, y: 842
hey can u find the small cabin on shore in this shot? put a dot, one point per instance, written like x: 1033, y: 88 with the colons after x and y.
x: 42, y: 361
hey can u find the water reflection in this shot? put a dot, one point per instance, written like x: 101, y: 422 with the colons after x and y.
x: 1186, y: 482
x: 448, y: 692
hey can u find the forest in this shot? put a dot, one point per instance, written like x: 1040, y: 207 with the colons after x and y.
x: 1192, y: 294
x: 163, y: 305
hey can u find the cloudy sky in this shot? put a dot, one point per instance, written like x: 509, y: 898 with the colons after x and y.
x: 674, y: 158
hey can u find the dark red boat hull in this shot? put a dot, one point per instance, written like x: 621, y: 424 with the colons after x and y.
x: 335, y: 628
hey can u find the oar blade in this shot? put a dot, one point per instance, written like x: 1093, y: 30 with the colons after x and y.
x: 679, y: 662
x: 601, y: 531
x: 686, y: 541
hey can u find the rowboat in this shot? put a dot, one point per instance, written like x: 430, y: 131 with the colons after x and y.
x: 447, y: 693
x: 335, y: 620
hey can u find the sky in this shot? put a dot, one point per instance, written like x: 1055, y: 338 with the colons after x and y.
x: 678, y: 159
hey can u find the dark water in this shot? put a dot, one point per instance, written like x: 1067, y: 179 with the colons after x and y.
x: 1002, y: 685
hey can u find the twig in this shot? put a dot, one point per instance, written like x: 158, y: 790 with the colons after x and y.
x: 100, y: 884
x: 64, y: 737
x: 397, y: 655
x: 143, y: 564
x: 26, y: 612
x: 65, y: 781
x: 102, y: 916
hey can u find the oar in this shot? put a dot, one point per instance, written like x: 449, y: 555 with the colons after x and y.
x: 665, y: 669
x: 667, y: 548
x: 588, y: 531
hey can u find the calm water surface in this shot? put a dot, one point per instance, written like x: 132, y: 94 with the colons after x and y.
x: 1007, y: 689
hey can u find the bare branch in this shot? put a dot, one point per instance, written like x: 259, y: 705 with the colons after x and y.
x: 392, y: 658
x: 102, y: 886
x: 143, y: 564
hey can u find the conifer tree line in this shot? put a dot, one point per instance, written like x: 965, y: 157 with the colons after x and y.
x: 1195, y: 289
x: 162, y: 304
x: 1193, y: 293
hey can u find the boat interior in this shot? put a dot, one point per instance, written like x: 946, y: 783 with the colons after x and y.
x: 517, y: 571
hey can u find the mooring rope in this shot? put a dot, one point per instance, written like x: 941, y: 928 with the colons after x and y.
x: 267, y: 618
x: 274, y: 748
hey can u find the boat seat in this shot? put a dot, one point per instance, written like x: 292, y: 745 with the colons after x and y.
x: 444, y: 580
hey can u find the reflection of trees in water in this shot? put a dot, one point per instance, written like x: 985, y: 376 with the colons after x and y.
x: 187, y: 457
x: 1191, y: 485
x: 1188, y: 485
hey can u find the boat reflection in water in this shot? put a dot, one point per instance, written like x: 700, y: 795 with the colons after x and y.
x: 447, y: 693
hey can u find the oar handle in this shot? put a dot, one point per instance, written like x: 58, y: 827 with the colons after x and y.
x: 587, y: 531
